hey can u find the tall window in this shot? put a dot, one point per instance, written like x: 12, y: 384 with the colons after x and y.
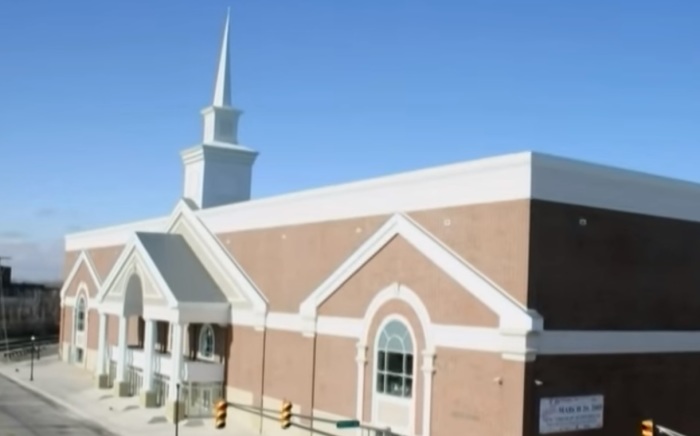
x: 206, y: 342
x: 80, y: 314
x: 395, y: 360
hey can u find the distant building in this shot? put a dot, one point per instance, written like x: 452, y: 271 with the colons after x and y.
x: 29, y: 308
x: 5, y: 276
x: 514, y: 295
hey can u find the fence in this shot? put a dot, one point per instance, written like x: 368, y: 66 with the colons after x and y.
x: 18, y: 350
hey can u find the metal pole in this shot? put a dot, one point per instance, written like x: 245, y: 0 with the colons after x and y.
x: 177, y: 409
x: 2, y: 308
x: 31, y: 367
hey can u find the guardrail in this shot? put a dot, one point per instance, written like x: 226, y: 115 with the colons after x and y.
x: 20, y: 349
x: 368, y: 430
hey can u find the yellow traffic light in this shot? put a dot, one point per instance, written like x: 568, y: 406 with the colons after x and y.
x: 286, y: 414
x: 648, y: 427
x: 220, y: 414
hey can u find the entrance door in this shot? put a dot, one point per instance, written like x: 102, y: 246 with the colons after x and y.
x: 202, y: 399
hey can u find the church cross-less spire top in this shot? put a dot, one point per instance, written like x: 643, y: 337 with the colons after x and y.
x: 221, y: 119
x: 222, y: 89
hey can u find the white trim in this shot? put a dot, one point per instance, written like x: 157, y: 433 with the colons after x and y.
x: 428, y: 370
x: 500, y: 178
x: 70, y: 302
x: 376, y: 396
x: 516, y: 346
x: 248, y: 318
x: 512, y: 314
x: 83, y: 258
x: 135, y: 250
x: 119, y: 264
x: 402, y: 293
x: 361, y: 360
x: 224, y: 262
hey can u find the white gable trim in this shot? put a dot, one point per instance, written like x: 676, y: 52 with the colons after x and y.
x: 224, y: 262
x: 134, y: 249
x: 512, y: 314
x: 82, y: 258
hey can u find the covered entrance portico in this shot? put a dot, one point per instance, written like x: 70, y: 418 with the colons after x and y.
x: 163, y: 289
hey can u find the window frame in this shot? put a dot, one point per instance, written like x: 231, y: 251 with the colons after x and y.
x: 411, y: 351
x: 201, y: 338
x: 81, y: 314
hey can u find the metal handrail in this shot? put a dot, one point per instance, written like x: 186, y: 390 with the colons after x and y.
x: 668, y: 431
x: 265, y: 413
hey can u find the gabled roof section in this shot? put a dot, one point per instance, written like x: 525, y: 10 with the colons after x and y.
x: 217, y: 256
x: 185, y: 276
x: 85, y: 259
x: 512, y: 314
x: 136, y: 248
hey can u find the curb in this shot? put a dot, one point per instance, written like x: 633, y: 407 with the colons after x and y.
x: 60, y: 401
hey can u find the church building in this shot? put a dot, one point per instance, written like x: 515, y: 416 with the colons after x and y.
x: 522, y: 294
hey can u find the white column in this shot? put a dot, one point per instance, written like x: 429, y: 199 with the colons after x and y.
x: 428, y: 369
x: 102, y: 345
x: 176, y: 356
x: 149, y: 342
x: 121, y: 354
x: 361, y: 361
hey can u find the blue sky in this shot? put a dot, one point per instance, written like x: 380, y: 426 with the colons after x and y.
x: 98, y: 98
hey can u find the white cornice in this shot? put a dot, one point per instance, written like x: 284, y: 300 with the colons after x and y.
x: 502, y: 178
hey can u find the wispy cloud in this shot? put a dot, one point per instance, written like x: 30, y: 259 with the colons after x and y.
x: 12, y: 235
x: 45, y: 212
x: 34, y: 261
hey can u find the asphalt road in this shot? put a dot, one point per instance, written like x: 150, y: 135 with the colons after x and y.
x: 25, y: 413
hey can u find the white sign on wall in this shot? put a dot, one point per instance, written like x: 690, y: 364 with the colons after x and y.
x: 562, y: 414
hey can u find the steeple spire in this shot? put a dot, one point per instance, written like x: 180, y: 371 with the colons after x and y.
x: 221, y: 119
x: 222, y: 89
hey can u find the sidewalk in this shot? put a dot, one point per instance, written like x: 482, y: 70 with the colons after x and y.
x: 74, y: 389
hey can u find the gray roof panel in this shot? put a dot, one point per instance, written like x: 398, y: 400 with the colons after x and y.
x: 187, y: 278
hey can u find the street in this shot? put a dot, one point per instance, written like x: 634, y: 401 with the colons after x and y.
x: 25, y: 413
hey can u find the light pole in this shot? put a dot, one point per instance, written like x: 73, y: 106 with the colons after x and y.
x: 31, y: 364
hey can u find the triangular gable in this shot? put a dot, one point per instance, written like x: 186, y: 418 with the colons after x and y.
x: 83, y: 258
x: 134, y: 248
x: 224, y: 261
x: 512, y: 313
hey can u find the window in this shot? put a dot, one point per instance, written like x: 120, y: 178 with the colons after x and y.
x: 80, y: 314
x: 395, y: 360
x: 206, y: 342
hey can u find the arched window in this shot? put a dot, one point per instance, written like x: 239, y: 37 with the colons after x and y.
x: 80, y: 314
x: 206, y: 342
x: 395, y: 360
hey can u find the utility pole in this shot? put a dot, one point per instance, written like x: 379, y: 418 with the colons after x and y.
x: 2, y: 308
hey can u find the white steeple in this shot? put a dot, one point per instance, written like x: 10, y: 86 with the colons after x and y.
x: 219, y: 170
x: 222, y: 88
